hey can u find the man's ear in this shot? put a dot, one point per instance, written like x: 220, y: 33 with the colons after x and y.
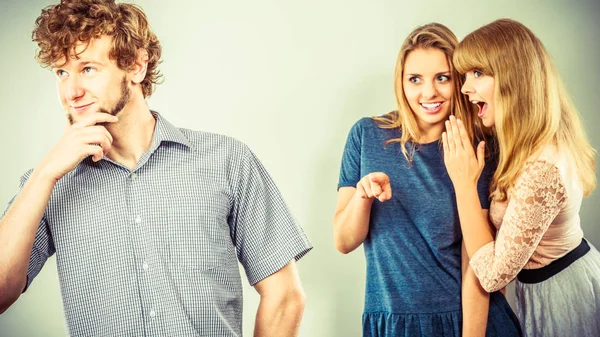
x: 138, y: 71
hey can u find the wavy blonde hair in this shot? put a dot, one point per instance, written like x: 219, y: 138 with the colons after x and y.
x: 436, y: 36
x: 532, y: 107
x: 59, y: 29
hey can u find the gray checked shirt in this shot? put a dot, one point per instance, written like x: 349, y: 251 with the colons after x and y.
x: 155, y: 251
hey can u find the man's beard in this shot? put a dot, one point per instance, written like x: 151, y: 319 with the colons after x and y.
x: 118, y: 107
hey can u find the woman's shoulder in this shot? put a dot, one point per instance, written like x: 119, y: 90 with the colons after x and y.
x: 549, y: 162
x: 551, y: 156
x: 548, y: 153
x: 384, y: 120
x: 375, y: 125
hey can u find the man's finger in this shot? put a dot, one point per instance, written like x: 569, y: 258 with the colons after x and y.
x: 106, y: 146
x: 97, y: 131
x: 95, y: 118
x: 95, y: 151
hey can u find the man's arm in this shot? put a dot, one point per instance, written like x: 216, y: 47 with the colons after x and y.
x: 281, y: 305
x: 19, y: 225
x: 17, y: 232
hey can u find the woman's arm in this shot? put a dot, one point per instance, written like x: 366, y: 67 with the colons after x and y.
x: 536, y: 199
x: 353, y: 211
x: 475, y: 300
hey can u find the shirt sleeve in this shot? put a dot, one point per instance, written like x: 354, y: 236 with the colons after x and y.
x: 265, y: 234
x: 350, y: 168
x: 535, y: 201
x: 43, y: 245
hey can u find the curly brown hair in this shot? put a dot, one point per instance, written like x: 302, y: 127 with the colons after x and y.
x: 60, y: 28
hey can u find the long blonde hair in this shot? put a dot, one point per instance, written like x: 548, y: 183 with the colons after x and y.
x: 437, y: 36
x: 532, y: 107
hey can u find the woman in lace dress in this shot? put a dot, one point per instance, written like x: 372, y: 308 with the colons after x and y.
x: 411, y: 237
x: 546, y: 165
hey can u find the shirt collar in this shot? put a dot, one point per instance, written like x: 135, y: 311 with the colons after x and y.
x: 166, y: 132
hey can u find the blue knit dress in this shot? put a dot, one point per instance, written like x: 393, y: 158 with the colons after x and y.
x: 413, y: 249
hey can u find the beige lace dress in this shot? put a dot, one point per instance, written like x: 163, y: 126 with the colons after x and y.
x: 538, y: 224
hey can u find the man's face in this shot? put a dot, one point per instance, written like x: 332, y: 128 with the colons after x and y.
x: 92, y: 82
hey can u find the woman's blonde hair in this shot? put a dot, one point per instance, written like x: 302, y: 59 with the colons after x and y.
x: 437, y: 36
x: 532, y: 107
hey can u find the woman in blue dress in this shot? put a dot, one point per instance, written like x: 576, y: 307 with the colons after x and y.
x: 395, y: 198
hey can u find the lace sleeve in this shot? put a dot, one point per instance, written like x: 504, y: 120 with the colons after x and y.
x: 536, y: 199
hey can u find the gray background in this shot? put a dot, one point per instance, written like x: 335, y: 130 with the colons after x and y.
x: 288, y: 78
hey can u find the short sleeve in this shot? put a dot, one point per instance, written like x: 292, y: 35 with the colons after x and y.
x: 350, y: 168
x: 43, y: 245
x: 265, y: 234
x: 535, y: 201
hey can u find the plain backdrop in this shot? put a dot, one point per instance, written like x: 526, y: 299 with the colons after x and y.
x: 288, y: 78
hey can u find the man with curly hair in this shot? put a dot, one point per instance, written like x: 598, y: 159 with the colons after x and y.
x: 148, y: 221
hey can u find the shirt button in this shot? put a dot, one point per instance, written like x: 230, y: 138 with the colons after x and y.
x: 133, y: 176
x: 152, y: 313
x: 145, y: 266
x: 138, y: 219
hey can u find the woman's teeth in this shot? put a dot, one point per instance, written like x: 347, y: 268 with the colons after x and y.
x: 431, y: 106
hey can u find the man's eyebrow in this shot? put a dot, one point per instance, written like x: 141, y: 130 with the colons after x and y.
x: 79, y: 63
x: 87, y: 62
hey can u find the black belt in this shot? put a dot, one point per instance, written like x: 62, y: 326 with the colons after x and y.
x: 546, y: 272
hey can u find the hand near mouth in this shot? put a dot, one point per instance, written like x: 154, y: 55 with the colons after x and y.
x: 464, y: 166
x: 80, y: 140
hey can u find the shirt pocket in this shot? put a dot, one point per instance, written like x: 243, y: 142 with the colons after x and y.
x: 200, y: 241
